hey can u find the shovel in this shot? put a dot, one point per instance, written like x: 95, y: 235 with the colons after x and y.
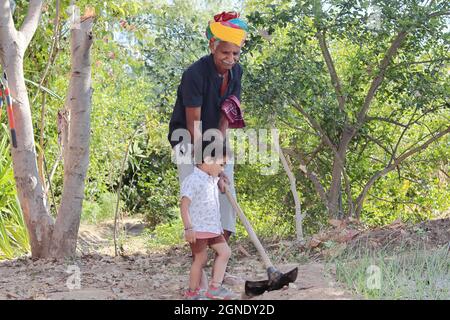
x: 277, y: 280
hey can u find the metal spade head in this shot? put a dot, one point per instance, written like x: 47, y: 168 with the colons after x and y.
x: 276, y: 281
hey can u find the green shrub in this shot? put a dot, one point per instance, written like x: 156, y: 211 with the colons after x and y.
x: 166, y: 234
x: 100, y: 210
x: 150, y: 184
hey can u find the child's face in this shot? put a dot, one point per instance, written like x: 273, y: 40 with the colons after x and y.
x: 215, y: 167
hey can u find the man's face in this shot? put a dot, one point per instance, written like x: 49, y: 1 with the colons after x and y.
x: 226, y: 55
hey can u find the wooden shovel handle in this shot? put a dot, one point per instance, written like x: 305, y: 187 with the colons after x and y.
x: 250, y: 231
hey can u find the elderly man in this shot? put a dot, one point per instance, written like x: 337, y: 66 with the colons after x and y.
x: 207, y: 87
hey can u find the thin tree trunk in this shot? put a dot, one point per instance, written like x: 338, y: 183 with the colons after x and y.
x: 348, y: 191
x: 312, y: 176
x: 29, y: 188
x: 76, y: 153
x: 293, y: 185
x: 41, y: 142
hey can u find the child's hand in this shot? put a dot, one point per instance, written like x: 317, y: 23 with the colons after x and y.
x: 189, y: 235
x: 223, y: 181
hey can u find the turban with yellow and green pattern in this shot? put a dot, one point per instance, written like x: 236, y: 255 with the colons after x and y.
x: 227, y: 26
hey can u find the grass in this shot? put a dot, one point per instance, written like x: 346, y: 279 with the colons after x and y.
x: 419, y: 273
x: 13, y: 233
x: 14, y: 239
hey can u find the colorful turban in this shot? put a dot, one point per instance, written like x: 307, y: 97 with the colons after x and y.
x: 227, y: 27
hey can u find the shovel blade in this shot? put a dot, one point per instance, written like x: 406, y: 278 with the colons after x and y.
x: 256, y: 288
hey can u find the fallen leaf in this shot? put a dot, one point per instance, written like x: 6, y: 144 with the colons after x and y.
x: 335, y: 222
x: 313, y: 243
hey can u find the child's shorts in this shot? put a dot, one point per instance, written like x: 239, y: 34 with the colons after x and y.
x: 201, y: 244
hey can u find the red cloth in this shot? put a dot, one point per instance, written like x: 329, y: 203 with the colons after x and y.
x: 231, y: 108
x: 225, y: 16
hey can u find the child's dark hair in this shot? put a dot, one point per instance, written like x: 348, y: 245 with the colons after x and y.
x: 216, y: 149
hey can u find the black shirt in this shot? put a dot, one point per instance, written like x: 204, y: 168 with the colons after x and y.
x: 200, y: 87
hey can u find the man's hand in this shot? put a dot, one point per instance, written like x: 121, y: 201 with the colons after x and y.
x: 223, y: 181
x: 189, y: 236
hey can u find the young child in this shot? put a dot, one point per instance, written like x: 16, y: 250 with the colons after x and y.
x: 202, y: 227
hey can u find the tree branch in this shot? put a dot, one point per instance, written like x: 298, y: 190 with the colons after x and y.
x: 445, y: 173
x: 439, y: 13
x: 53, y: 54
x: 379, y: 78
x: 315, y: 125
x: 411, y: 122
x: 338, y: 152
x: 378, y: 143
x: 392, y: 201
x: 420, y: 62
x: 313, y: 154
x: 393, y: 165
x: 385, y: 120
x: 331, y: 69
x: 394, y: 151
x: 31, y: 21
x: 7, y: 28
x: 310, y: 175
x: 298, y: 128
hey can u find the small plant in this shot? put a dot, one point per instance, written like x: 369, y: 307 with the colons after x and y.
x: 100, y: 210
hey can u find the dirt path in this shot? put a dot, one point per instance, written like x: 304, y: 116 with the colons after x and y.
x: 143, y: 274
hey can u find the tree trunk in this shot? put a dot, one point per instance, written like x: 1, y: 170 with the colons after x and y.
x: 335, y: 191
x: 76, y: 152
x: 13, y: 44
x: 293, y: 185
x: 29, y: 188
